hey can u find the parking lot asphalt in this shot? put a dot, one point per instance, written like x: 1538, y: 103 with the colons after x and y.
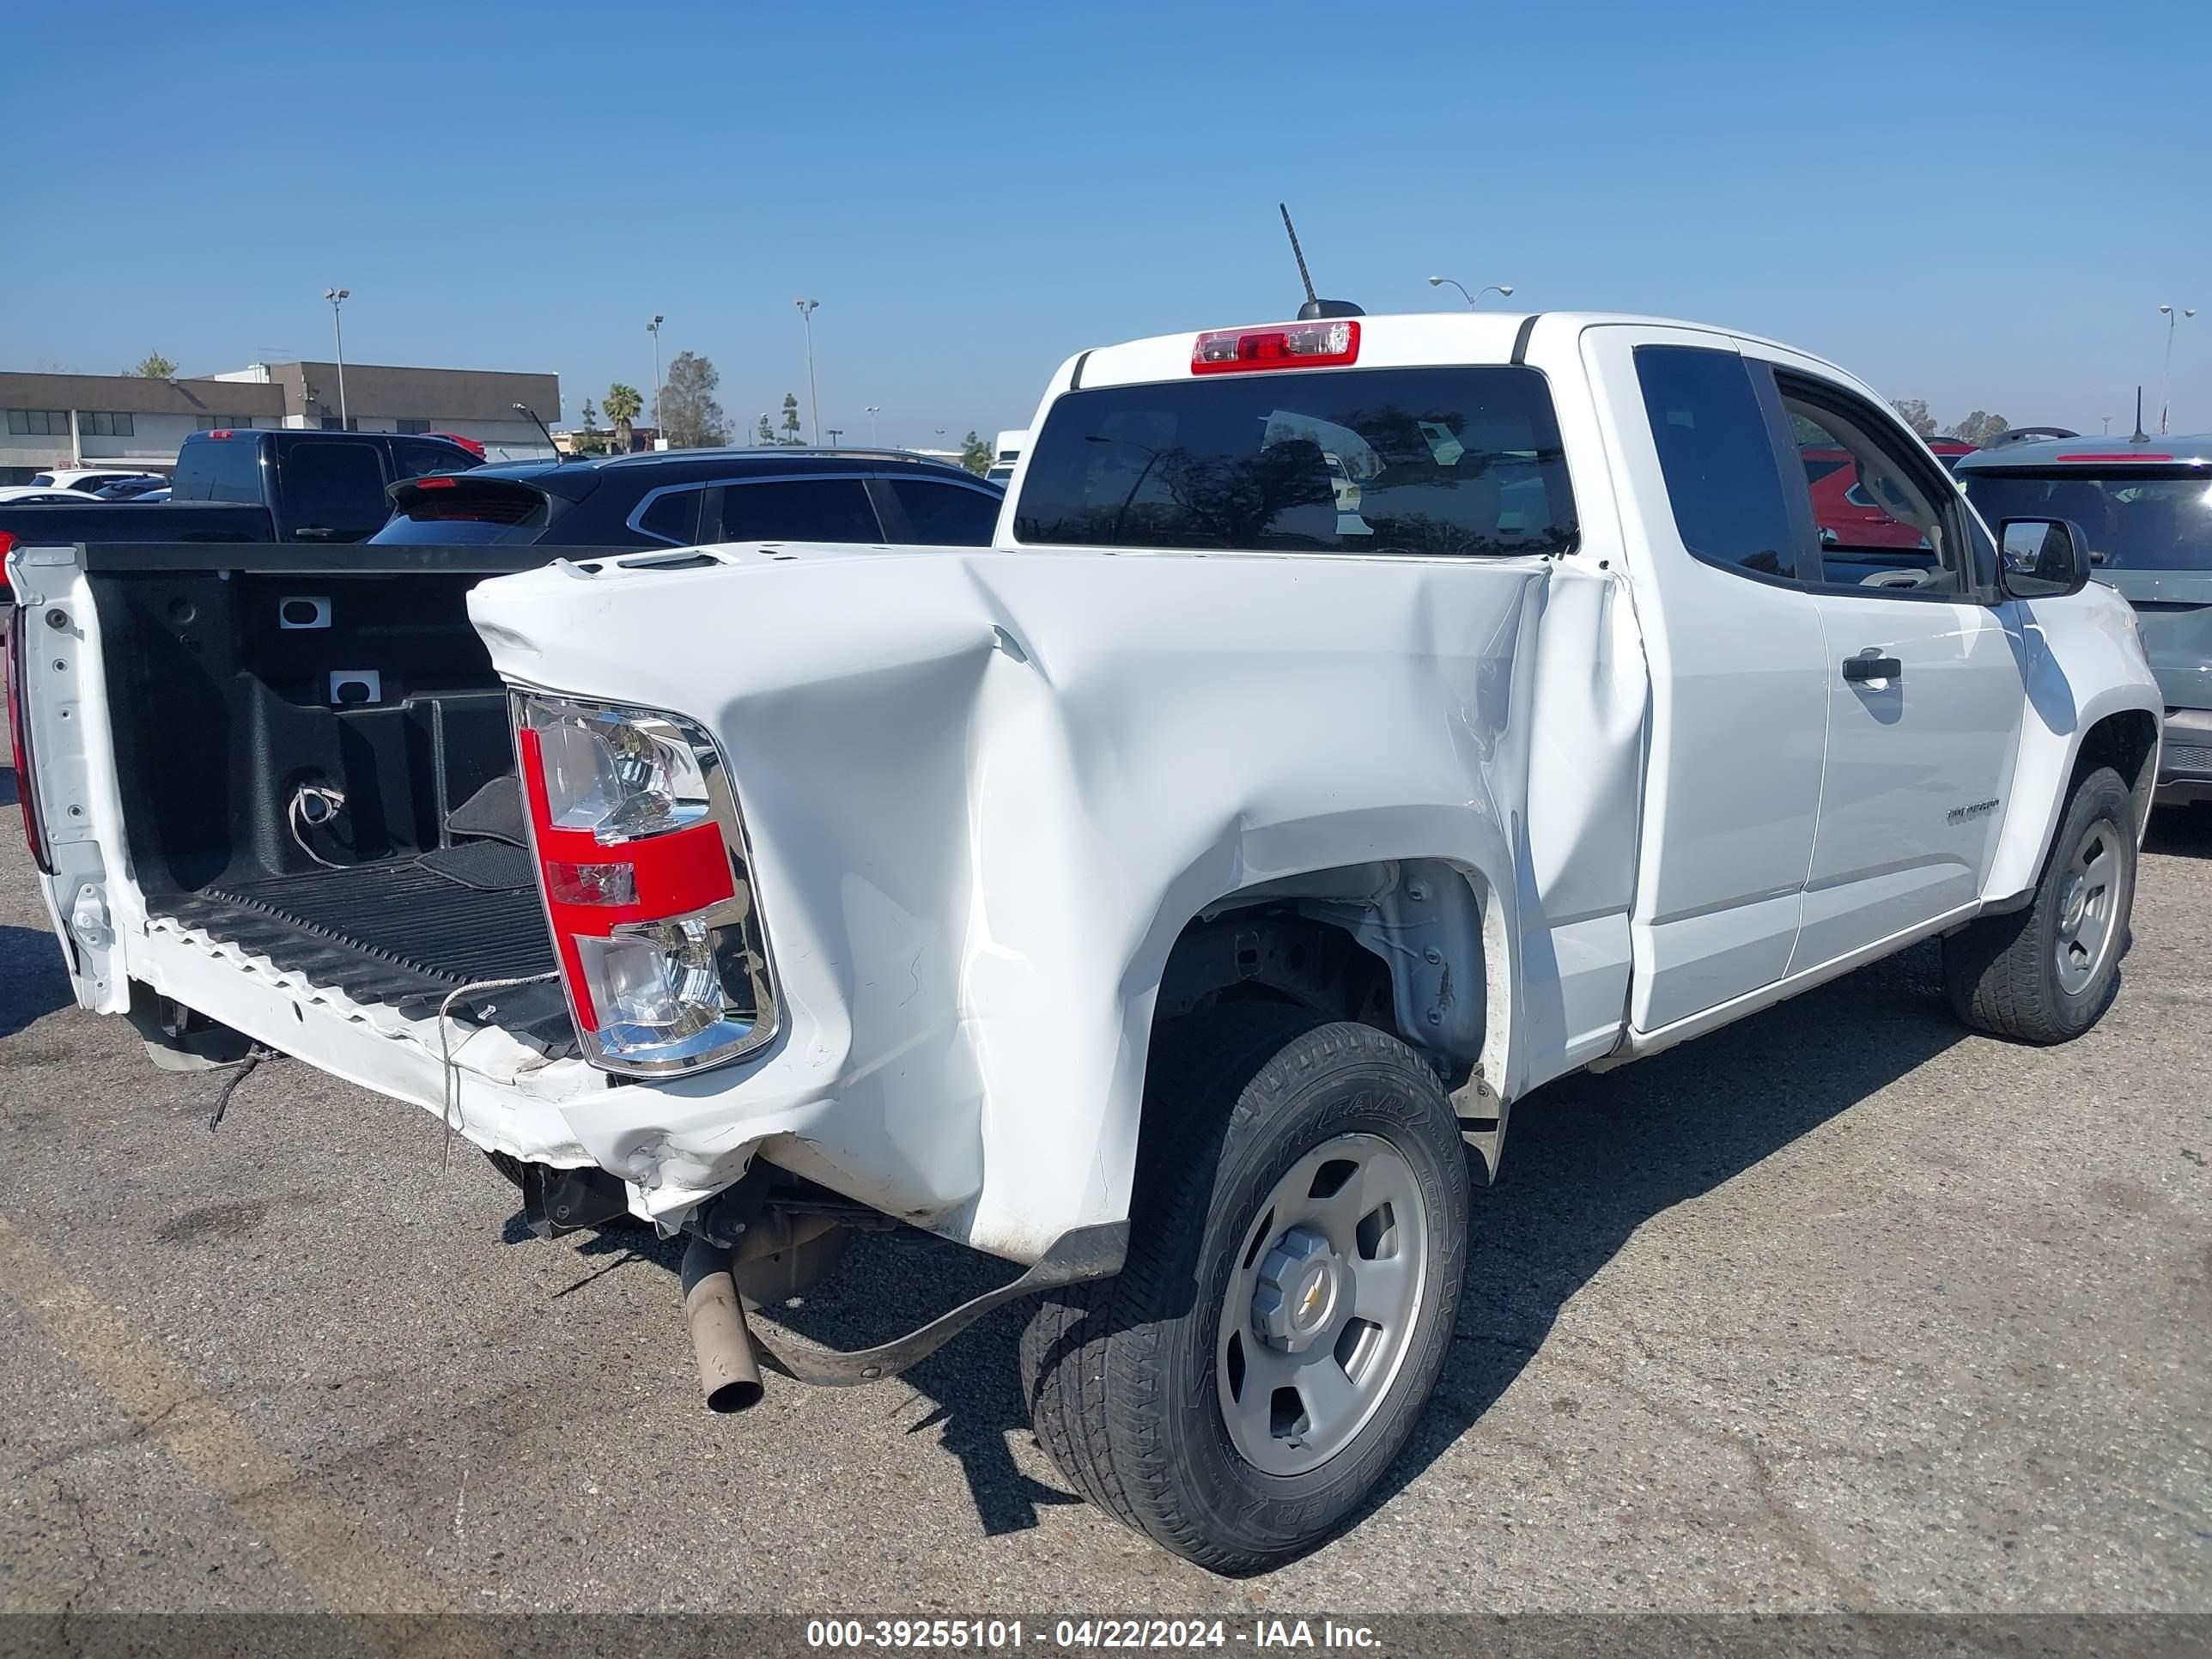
x: 1841, y: 1308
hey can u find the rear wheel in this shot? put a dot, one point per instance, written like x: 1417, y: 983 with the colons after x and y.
x: 1295, y: 1268
x: 2046, y: 974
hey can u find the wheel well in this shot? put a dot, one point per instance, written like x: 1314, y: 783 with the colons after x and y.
x: 1269, y: 953
x: 1402, y: 946
x: 2126, y: 742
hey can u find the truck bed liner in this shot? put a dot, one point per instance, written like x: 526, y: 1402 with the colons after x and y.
x: 399, y: 931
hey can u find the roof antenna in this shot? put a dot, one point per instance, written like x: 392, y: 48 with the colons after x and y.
x: 1315, y: 307
x: 2142, y: 436
x: 524, y: 409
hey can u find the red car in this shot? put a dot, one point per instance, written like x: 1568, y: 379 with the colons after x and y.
x: 1847, y: 516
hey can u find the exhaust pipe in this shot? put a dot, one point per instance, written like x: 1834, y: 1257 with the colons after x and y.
x: 728, y: 1369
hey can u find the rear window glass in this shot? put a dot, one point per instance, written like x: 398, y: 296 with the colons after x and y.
x: 947, y: 515
x: 1440, y: 462
x: 336, y: 486
x: 218, y: 470
x: 449, y: 532
x: 2133, y: 522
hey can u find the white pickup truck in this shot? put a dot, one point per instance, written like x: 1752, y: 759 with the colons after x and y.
x: 1359, y: 723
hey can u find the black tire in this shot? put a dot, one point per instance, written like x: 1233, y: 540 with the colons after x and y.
x: 2003, y: 973
x: 1121, y: 1374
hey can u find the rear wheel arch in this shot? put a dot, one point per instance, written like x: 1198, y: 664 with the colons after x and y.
x: 1418, y: 948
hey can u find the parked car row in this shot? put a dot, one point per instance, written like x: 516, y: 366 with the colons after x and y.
x: 286, y: 486
x: 1158, y: 886
x: 683, y: 497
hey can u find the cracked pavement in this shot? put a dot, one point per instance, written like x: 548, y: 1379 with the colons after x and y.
x: 1839, y: 1308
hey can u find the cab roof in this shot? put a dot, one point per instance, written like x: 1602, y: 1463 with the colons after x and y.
x: 1392, y: 340
x: 2100, y: 454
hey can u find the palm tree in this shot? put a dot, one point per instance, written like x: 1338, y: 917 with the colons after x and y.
x: 621, y: 406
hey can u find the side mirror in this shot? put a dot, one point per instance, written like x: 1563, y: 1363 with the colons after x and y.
x: 2042, y: 558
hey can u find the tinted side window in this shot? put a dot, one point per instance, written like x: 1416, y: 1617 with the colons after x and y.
x: 1718, y: 458
x: 339, y: 486
x: 945, y: 514
x: 673, y: 517
x: 799, y: 510
x: 413, y: 460
x: 219, y: 470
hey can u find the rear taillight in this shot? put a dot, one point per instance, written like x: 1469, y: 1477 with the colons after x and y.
x: 1331, y: 343
x: 27, y: 788
x: 648, y: 885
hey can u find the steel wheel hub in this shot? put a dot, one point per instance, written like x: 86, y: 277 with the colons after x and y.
x: 1301, y: 1282
x: 2088, y: 906
x: 1321, y: 1305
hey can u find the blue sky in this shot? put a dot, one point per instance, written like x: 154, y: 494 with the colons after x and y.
x: 1979, y: 205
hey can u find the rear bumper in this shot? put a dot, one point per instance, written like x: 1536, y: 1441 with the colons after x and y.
x: 2184, y: 759
x: 673, y: 1144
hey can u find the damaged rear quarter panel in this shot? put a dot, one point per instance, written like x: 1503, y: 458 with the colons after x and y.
x: 985, y: 791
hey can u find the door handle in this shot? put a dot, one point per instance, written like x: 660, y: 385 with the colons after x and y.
x: 1856, y: 669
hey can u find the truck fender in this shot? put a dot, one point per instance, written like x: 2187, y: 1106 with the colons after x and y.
x: 2084, y: 641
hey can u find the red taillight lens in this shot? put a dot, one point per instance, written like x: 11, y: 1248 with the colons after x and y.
x: 1332, y: 343
x: 641, y: 861
x: 220, y: 434
x: 27, y: 788
x: 433, y: 481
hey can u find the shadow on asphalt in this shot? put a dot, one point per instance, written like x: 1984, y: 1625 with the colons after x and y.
x: 2180, y: 832
x: 8, y: 792
x: 1589, y: 1159
x: 32, y: 982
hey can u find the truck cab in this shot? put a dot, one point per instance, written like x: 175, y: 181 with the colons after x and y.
x: 316, y: 486
x: 1356, y: 724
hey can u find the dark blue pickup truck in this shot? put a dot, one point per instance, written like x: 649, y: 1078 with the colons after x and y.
x: 256, y: 485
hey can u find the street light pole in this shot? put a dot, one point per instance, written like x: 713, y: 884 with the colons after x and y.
x: 2166, y: 374
x: 874, y: 410
x: 338, y: 296
x: 1491, y: 288
x: 806, y: 310
x: 653, y: 328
